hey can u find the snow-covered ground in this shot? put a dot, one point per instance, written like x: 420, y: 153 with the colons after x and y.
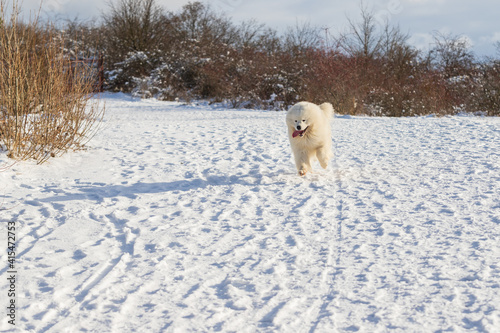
x: 192, y: 219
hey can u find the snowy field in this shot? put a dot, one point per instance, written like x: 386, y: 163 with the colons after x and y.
x: 192, y: 219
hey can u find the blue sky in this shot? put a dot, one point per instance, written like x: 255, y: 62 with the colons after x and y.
x: 477, y: 20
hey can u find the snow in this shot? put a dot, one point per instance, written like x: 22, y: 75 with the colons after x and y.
x: 192, y: 219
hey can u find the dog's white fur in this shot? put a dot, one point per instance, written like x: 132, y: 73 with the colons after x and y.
x: 316, y: 141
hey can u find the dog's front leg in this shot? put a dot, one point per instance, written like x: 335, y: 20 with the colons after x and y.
x: 302, y: 162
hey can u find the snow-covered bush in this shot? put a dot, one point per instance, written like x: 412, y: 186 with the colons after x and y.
x: 127, y: 74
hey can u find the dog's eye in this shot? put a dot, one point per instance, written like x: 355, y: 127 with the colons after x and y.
x: 303, y: 120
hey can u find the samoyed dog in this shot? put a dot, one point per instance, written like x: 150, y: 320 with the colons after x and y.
x: 310, y: 134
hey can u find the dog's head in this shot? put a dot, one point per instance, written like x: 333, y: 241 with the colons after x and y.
x: 299, y: 120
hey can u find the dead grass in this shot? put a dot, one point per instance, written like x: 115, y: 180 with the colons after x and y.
x: 46, y: 108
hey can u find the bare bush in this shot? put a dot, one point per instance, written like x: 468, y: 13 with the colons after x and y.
x: 46, y: 107
x: 334, y: 77
x: 82, y: 39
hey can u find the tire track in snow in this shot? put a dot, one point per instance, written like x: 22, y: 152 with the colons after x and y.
x: 333, y: 253
x: 125, y: 238
x: 314, y: 247
x: 121, y: 240
x: 37, y: 232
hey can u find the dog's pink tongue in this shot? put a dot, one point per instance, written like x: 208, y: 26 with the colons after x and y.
x: 296, y: 133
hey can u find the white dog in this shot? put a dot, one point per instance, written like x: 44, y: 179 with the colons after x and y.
x: 310, y: 134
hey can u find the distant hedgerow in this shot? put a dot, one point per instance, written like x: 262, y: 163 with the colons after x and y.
x: 198, y: 53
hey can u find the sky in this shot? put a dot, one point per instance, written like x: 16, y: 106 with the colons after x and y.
x: 476, y: 20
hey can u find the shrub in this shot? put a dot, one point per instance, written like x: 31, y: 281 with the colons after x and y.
x: 46, y: 107
x: 487, y: 93
x: 334, y: 77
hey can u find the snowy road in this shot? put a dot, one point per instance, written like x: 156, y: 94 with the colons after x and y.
x: 192, y: 219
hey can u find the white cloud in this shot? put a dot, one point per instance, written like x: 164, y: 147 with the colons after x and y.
x: 469, y: 43
x: 496, y: 37
x: 422, y: 41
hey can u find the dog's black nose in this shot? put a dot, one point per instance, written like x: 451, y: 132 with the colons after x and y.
x: 298, y: 128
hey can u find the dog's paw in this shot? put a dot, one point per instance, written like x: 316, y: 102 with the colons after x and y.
x: 302, y: 172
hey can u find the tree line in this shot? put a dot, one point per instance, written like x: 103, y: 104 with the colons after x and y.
x: 199, y: 53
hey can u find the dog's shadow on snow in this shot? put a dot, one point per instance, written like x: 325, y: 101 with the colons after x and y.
x: 99, y: 191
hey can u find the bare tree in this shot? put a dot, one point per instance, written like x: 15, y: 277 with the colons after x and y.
x: 362, y: 38
x: 301, y: 36
x: 393, y: 41
x: 134, y: 25
x: 369, y: 40
x: 198, y: 22
x: 397, y: 54
x: 249, y: 33
x: 452, y: 54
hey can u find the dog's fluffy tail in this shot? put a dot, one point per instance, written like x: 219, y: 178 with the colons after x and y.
x: 327, y: 109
